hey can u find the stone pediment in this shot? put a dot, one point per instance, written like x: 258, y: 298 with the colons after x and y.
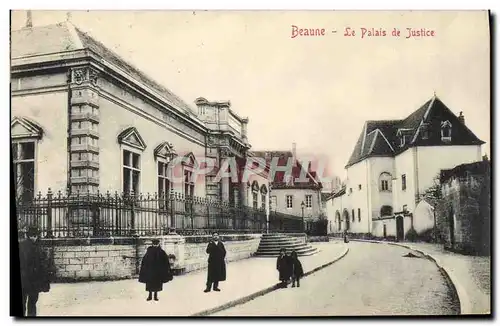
x: 189, y: 160
x: 24, y: 128
x: 165, y: 150
x: 131, y: 137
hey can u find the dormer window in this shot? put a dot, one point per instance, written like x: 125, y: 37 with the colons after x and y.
x: 425, y: 131
x: 403, y: 135
x: 446, y: 131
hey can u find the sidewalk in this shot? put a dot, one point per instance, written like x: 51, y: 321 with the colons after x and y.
x: 183, y: 296
x: 471, y: 275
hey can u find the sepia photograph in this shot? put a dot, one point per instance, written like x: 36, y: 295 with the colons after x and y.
x: 240, y: 163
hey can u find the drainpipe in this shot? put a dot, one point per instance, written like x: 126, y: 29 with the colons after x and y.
x: 68, y: 135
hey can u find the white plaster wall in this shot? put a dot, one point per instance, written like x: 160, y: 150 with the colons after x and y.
x: 358, y: 199
x: 404, y: 164
x: 49, y: 110
x: 432, y: 159
x: 379, y: 198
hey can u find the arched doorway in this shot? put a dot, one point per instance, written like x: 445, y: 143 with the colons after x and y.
x: 400, y: 230
x: 347, y: 221
x: 338, y: 220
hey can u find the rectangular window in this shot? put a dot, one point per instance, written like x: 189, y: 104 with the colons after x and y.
x: 385, y: 185
x: 274, y: 202
x: 23, y: 155
x: 309, y: 201
x: 263, y: 201
x: 163, y: 186
x: 359, y: 214
x: 403, y: 182
x: 188, y: 183
x: 131, y: 172
x: 255, y: 200
x: 289, y: 201
x: 359, y: 187
x: 353, y: 216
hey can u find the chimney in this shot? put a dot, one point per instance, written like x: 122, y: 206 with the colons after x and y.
x: 29, y: 19
x: 294, y: 152
x: 461, y: 118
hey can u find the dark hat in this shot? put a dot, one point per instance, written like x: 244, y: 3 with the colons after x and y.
x: 32, y: 231
x: 155, y: 241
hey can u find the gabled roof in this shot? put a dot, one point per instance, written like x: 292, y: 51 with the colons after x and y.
x: 382, y: 137
x: 64, y: 37
x: 279, y: 181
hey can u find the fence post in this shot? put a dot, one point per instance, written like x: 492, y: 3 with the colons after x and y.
x: 49, y: 213
x: 132, y: 213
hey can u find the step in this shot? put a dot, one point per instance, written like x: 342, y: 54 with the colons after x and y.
x: 276, y: 254
x: 296, y: 245
x: 282, y: 243
x: 288, y: 250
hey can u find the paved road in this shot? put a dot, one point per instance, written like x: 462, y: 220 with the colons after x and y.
x: 373, y: 279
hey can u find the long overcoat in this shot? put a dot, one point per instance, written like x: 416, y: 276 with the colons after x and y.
x: 155, y: 269
x: 297, y: 270
x: 284, y: 267
x: 216, y: 262
x: 35, y: 267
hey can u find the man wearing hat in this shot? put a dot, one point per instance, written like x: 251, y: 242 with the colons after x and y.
x: 216, y: 263
x: 34, y: 271
x: 155, y: 270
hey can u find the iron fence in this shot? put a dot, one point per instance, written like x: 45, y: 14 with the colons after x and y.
x: 102, y: 215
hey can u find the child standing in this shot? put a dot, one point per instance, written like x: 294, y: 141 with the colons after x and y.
x: 284, y: 267
x: 155, y: 270
x: 297, y: 271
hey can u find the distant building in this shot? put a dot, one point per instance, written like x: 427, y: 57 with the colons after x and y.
x: 290, y: 195
x: 463, y: 214
x: 393, y: 163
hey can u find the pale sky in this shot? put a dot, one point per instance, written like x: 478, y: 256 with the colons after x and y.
x: 314, y: 91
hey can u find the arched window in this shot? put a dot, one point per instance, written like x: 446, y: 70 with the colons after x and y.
x: 386, y: 210
x: 263, y: 195
x: 385, y: 181
x: 338, y: 220
x: 255, y: 194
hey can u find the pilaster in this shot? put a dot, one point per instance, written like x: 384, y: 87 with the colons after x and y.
x: 84, y: 130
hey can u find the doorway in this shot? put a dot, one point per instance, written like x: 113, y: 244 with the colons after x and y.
x: 451, y: 221
x: 385, y: 231
x: 400, y: 230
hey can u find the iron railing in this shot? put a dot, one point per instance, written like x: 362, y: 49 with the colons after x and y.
x: 101, y: 215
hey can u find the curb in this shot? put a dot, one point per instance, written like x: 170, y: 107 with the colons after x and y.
x: 463, y: 298
x: 270, y: 289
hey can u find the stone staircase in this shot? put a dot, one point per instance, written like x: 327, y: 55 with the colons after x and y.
x: 270, y: 245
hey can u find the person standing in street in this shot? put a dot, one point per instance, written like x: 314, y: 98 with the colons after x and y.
x: 284, y: 267
x: 35, y: 271
x: 297, y: 270
x: 216, y: 263
x: 155, y: 270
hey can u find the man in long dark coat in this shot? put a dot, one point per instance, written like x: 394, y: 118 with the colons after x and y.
x: 155, y: 269
x: 35, y: 271
x: 216, y: 263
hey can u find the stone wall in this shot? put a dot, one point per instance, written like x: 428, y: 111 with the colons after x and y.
x: 87, y: 259
x: 463, y: 215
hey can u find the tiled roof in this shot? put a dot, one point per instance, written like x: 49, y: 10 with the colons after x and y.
x: 65, y: 37
x: 279, y: 180
x: 380, y: 138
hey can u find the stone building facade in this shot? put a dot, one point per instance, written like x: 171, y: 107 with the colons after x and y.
x: 84, y: 120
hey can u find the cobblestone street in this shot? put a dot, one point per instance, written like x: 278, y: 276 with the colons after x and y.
x: 372, y: 279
